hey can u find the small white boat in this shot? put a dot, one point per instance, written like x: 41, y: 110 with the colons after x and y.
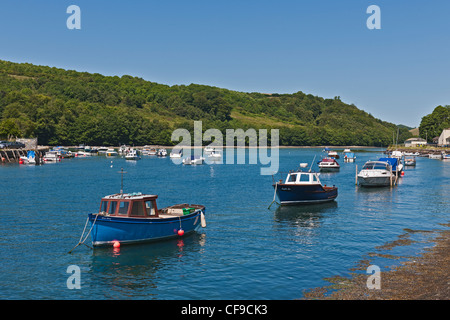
x: 176, y: 153
x: 162, y: 152
x: 445, y: 156
x: 111, y: 152
x: 51, y: 156
x: 215, y: 155
x: 132, y: 155
x: 376, y: 174
x: 102, y: 150
x: 333, y: 154
x: 328, y: 164
x: 410, y: 161
x: 209, y: 149
x: 123, y: 149
x: 193, y: 160
x: 435, y: 156
x: 82, y: 154
x: 152, y: 152
x: 145, y: 150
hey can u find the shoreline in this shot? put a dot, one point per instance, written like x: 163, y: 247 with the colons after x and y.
x: 235, y: 146
x: 423, y: 276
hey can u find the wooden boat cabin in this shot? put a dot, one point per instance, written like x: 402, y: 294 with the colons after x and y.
x: 133, y: 205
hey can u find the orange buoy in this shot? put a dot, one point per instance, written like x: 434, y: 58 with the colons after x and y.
x: 116, y: 244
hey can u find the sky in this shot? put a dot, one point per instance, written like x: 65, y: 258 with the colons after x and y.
x: 398, y: 73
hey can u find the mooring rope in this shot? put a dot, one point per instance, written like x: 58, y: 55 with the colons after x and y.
x: 82, y: 234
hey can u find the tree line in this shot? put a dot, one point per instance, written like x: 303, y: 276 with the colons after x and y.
x: 66, y: 107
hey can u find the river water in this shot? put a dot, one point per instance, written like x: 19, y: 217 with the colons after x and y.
x: 247, y: 251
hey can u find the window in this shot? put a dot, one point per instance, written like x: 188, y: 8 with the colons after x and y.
x: 304, y: 178
x: 292, y: 178
x: 112, y: 207
x: 123, y: 207
x: 149, y: 208
x: 103, y: 206
x: 137, y: 209
x: 314, y: 178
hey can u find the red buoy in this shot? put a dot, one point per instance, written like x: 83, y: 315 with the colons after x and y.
x: 116, y: 244
x: 180, y: 232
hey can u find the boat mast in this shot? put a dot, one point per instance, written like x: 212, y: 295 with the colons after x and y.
x: 121, y: 179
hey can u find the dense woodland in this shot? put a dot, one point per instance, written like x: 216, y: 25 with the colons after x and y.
x: 66, y: 107
x: 432, y: 124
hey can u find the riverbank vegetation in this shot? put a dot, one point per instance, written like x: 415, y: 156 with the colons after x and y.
x: 66, y: 107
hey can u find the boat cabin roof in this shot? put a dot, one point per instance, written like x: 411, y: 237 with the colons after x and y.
x: 376, y: 165
x: 136, y: 205
x: 300, y: 177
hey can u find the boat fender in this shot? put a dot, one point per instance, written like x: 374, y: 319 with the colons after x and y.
x: 202, y: 220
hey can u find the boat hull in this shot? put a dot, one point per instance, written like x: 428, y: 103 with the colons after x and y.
x: 290, y: 194
x: 107, y: 229
x: 366, y: 181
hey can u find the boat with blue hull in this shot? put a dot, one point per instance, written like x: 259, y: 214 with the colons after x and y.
x: 302, y: 187
x: 135, y: 218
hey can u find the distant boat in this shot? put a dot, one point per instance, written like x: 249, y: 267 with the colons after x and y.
x: 208, y: 149
x: 410, y: 161
x: 349, y: 157
x: 176, y: 153
x: 111, y: 152
x: 328, y: 164
x: 193, y: 160
x: 376, y: 174
x: 51, y: 156
x: 29, y: 159
x: 215, y: 155
x: 302, y: 187
x: 132, y: 155
x: 435, y: 156
x: 162, y: 152
x: 82, y: 154
x: 333, y: 154
x: 152, y: 152
x: 445, y: 156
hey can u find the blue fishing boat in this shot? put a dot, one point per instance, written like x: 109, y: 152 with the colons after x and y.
x: 135, y: 217
x: 303, y: 187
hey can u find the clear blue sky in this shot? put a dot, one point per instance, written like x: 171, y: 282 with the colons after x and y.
x: 399, y: 73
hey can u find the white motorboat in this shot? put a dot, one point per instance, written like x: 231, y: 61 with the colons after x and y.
x: 111, y: 152
x: 435, y: 156
x: 410, y: 161
x: 328, y: 164
x: 215, y: 155
x: 82, y: 154
x: 132, y: 155
x: 29, y: 159
x: 51, y: 156
x: 162, y: 152
x: 209, y: 149
x: 193, y: 160
x: 349, y: 157
x: 176, y: 153
x: 376, y: 174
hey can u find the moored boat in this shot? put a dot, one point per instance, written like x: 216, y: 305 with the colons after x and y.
x: 176, y: 153
x: 410, y: 161
x: 349, y: 157
x: 132, y: 154
x: 303, y: 187
x: 376, y: 174
x: 111, y: 152
x: 193, y: 160
x: 51, y: 156
x: 135, y: 217
x: 162, y: 152
x: 328, y: 164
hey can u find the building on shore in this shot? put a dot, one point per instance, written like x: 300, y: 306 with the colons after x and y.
x: 415, y: 142
x: 444, y: 138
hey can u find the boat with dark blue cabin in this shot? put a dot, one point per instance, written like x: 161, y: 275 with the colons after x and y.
x: 134, y: 218
x: 303, y: 187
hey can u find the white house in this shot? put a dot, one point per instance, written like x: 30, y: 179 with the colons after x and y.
x: 444, y: 138
x: 414, y: 142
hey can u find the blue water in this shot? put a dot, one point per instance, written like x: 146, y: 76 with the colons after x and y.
x: 247, y: 251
